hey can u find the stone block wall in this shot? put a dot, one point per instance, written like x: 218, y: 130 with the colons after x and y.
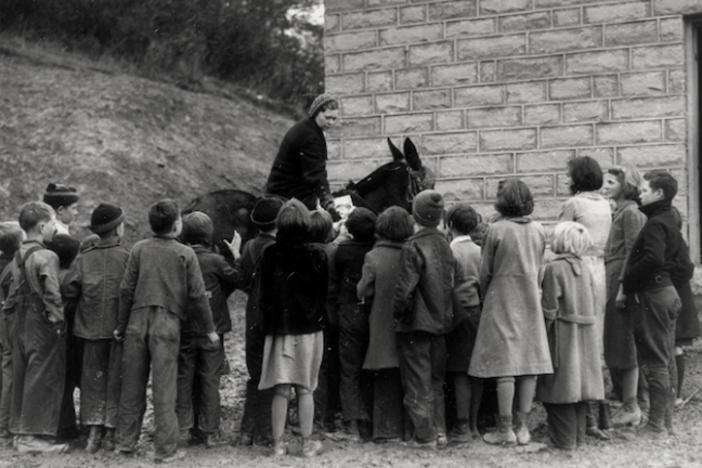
x: 490, y: 89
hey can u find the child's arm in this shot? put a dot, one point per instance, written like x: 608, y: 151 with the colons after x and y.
x: 486, y: 260
x: 551, y: 292
x: 652, y: 243
x: 365, y: 289
x: 197, y: 295
x: 411, y: 266
x: 47, y: 270
x: 126, y: 294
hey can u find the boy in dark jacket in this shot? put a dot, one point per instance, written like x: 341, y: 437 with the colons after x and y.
x: 423, y: 314
x: 648, y: 282
x: 162, y: 281
x: 199, y: 360
x: 93, y: 283
x: 39, y: 348
x: 11, y: 236
x: 353, y: 321
x: 256, y: 421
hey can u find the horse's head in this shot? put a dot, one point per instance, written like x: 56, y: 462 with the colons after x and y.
x: 394, y: 183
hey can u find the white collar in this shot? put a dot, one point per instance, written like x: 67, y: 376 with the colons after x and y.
x: 459, y: 239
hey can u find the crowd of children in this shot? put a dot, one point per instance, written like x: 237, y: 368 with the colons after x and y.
x: 387, y: 327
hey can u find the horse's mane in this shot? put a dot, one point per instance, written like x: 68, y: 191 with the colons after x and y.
x: 377, y: 177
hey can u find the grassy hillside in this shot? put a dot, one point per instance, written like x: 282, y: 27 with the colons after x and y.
x: 121, y: 138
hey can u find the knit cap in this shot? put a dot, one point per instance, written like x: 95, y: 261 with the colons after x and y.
x: 197, y: 228
x: 428, y: 208
x: 319, y: 102
x: 105, y: 218
x: 266, y: 210
x: 57, y: 195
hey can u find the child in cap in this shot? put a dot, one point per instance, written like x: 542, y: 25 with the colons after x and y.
x: 11, y: 237
x: 353, y: 321
x: 199, y: 360
x: 462, y: 220
x: 39, y: 352
x: 93, y: 284
x: 292, y: 296
x: 256, y: 420
x: 423, y: 312
x: 511, y: 340
x: 570, y: 311
x: 64, y: 200
x: 376, y: 289
x: 162, y: 282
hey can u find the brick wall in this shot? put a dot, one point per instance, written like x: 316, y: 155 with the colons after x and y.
x: 496, y: 88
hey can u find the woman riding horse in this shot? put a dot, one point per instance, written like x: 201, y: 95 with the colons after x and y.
x: 300, y: 168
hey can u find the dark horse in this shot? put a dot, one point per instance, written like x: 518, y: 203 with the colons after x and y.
x: 393, y: 183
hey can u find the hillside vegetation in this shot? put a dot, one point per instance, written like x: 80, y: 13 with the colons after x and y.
x: 120, y: 138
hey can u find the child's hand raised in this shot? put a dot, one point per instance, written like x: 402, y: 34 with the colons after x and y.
x: 235, y: 245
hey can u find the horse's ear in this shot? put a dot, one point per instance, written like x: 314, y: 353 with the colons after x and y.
x: 396, y: 153
x: 411, y: 155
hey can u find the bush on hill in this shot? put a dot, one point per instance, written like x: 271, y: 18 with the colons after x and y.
x: 255, y: 43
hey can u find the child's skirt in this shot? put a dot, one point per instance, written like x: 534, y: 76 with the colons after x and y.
x: 292, y: 359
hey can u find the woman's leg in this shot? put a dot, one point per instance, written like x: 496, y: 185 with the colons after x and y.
x: 475, y: 401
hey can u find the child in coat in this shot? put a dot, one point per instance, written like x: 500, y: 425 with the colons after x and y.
x: 423, y: 313
x: 256, y: 421
x: 292, y: 297
x: 462, y: 220
x: 376, y: 288
x: 353, y: 322
x: 511, y: 341
x: 39, y: 348
x: 11, y: 237
x: 161, y: 283
x: 200, y: 360
x: 327, y: 403
x: 570, y: 313
x: 93, y: 283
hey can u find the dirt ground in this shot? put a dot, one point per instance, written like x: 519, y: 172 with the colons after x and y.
x: 683, y: 451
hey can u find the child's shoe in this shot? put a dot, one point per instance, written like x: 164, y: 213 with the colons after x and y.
x: 461, y: 433
x: 94, y: 439
x: 179, y: 454
x: 523, y: 435
x: 280, y: 448
x: 212, y: 441
x: 311, y: 448
x: 504, y: 435
x: 108, y: 440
